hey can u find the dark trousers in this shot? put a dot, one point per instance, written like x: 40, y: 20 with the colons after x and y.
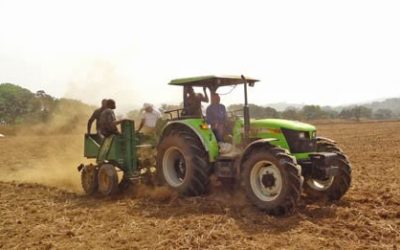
x: 219, y: 131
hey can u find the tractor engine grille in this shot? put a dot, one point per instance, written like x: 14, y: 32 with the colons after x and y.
x: 299, y: 141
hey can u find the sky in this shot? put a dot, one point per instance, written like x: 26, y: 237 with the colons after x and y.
x: 306, y: 52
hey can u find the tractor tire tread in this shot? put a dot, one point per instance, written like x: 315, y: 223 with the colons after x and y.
x: 199, y: 181
x: 341, y: 183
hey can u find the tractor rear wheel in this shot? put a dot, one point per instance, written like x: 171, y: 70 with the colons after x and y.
x: 182, y: 163
x: 108, y: 180
x: 89, y: 179
x: 332, y: 188
x: 272, y: 180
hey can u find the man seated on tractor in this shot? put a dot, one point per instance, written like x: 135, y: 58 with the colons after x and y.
x: 108, y: 122
x: 150, y: 116
x: 216, y: 117
x: 193, y: 102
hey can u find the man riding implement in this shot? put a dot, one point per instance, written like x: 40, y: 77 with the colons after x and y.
x: 96, y: 117
x: 108, y: 122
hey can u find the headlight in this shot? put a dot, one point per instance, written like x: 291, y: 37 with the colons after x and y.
x: 302, y: 135
x: 313, y: 134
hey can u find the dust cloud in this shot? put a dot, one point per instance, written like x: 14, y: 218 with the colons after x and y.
x: 103, y: 80
x: 47, y: 159
x: 47, y: 153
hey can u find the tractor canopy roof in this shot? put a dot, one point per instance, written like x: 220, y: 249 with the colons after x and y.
x: 212, y: 80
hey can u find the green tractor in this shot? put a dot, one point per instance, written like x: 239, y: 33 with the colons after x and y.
x: 272, y: 159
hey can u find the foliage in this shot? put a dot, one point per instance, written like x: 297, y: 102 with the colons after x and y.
x: 256, y: 111
x: 313, y: 112
x: 40, y: 111
x: 383, y: 114
x: 356, y: 112
x: 20, y: 106
x: 15, y: 102
x: 291, y: 113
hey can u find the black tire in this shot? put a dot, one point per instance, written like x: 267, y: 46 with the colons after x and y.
x: 89, y: 179
x: 286, y: 179
x: 182, y: 163
x: 108, y: 180
x: 334, y: 188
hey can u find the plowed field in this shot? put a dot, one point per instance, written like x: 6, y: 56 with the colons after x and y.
x: 43, y: 207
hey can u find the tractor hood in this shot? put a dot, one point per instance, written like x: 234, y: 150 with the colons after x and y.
x: 280, y: 123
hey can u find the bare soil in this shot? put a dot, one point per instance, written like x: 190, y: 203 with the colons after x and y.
x: 42, y: 205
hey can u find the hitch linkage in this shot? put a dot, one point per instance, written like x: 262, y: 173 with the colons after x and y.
x: 324, y: 165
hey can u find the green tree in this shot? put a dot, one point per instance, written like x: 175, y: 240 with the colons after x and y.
x: 312, y: 112
x: 383, y: 114
x: 271, y: 113
x: 256, y: 112
x: 356, y: 112
x: 291, y: 113
x: 329, y: 112
x: 15, y: 102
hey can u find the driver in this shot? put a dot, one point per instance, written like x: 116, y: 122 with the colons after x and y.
x: 216, y: 117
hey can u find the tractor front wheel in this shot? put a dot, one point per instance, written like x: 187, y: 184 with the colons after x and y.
x: 272, y: 180
x: 108, y: 180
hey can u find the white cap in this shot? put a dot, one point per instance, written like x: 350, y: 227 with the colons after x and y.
x: 147, y: 105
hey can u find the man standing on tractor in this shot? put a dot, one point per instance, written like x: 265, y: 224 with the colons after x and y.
x: 193, y: 102
x: 96, y: 116
x: 149, y: 120
x: 108, y: 122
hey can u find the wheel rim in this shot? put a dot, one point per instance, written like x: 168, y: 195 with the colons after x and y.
x: 266, y: 180
x: 174, y: 166
x: 320, y: 185
x: 104, y: 182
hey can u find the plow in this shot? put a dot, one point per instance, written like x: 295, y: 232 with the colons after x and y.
x: 274, y: 161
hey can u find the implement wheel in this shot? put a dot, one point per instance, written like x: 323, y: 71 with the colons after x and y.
x: 108, y: 180
x: 182, y: 163
x: 272, y: 181
x: 89, y: 179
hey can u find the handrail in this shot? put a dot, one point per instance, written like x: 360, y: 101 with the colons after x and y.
x: 174, y: 110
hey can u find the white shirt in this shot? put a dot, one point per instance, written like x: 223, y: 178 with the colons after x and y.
x: 150, y: 118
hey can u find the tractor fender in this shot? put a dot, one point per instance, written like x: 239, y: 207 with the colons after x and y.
x: 325, y: 139
x: 255, y: 144
x: 206, y: 136
x: 258, y: 144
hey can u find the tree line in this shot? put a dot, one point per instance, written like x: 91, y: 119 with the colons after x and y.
x: 316, y: 112
x: 19, y: 105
